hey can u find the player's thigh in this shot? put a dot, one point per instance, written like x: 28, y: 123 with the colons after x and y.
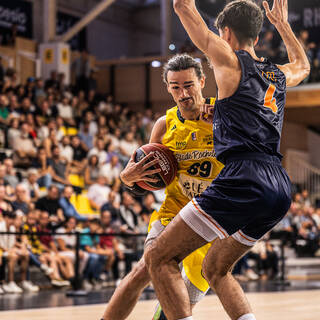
x: 222, y: 256
x: 177, y: 241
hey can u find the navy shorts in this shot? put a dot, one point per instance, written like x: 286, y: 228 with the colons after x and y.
x: 249, y: 197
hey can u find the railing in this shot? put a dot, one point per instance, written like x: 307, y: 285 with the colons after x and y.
x: 305, y: 175
x: 76, y: 284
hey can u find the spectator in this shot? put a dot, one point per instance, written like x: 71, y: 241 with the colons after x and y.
x: 97, y: 256
x: 4, y: 111
x: 85, y: 136
x: 64, y: 262
x: 22, y: 201
x: 15, y: 253
x: 41, y: 164
x: 11, y: 176
x: 31, y: 185
x: 128, y: 146
x: 50, y: 141
x: 24, y: 148
x: 58, y: 169
x: 92, y: 171
x: 65, y: 149
x: 39, y: 255
x: 65, y: 111
x: 99, y: 150
x: 13, y: 132
x: 67, y: 243
x: 111, y: 243
x: 52, y: 82
x: 50, y: 203
x: 98, y: 193
x: 79, y: 154
x: 68, y: 209
x: 112, y: 169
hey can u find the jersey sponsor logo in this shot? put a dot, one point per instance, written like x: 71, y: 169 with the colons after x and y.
x: 208, y: 140
x: 181, y: 144
x: 195, y: 155
x: 269, y: 75
x: 192, y: 187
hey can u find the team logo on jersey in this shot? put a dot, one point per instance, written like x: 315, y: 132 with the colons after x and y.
x: 194, y: 136
x: 174, y: 127
x: 181, y: 144
x: 208, y: 140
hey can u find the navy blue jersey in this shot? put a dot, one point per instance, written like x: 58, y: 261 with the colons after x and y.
x: 251, y: 119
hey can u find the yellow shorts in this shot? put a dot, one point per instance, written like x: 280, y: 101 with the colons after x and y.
x: 192, y: 264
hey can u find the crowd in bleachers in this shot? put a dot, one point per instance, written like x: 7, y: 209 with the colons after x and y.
x: 62, y: 150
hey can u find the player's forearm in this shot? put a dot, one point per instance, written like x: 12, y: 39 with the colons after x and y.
x: 193, y: 23
x: 296, y: 53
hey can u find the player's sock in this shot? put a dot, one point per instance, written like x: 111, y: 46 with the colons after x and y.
x: 248, y: 316
x: 187, y: 318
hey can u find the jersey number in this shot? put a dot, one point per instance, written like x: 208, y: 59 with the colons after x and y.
x: 269, y: 99
x: 201, y: 169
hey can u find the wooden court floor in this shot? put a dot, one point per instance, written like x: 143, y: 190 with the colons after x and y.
x: 293, y: 305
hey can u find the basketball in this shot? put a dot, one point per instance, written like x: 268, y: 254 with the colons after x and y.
x: 167, y: 163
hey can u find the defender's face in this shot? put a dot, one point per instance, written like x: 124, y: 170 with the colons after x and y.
x: 186, y: 88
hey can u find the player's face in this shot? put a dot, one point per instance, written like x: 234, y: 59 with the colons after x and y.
x: 186, y: 89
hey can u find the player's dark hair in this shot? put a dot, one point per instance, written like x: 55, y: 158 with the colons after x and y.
x: 181, y: 62
x: 244, y: 17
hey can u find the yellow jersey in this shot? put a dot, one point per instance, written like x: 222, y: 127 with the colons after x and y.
x: 192, y: 144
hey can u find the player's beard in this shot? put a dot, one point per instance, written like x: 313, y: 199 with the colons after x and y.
x: 188, y: 105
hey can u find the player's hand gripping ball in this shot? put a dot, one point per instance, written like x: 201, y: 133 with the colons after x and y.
x: 167, y: 163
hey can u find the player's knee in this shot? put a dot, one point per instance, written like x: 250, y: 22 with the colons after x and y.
x: 151, y: 258
x: 213, y: 271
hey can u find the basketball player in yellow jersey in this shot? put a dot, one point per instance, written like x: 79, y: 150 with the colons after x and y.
x: 191, y: 140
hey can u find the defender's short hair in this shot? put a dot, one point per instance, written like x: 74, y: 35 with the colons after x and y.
x: 244, y: 17
x: 181, y: 62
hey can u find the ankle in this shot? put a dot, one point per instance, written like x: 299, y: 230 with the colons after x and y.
x: 248, y: 316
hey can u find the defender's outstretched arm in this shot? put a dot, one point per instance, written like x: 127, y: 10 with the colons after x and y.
x: 298, y: 67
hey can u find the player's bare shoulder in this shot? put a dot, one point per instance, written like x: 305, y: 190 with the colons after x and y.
x: 158, y: 131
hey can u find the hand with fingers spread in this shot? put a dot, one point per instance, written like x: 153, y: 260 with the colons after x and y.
x: 279, y: 12
x: 206, y: 113
x: 140, y: 171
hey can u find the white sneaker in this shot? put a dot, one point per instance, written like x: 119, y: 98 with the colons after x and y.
x: 86, y: 284
x: 252, y: 275
x: 29, y: 286
x: 46, y: 269
x: 12, y: 287
x: 60, y: 283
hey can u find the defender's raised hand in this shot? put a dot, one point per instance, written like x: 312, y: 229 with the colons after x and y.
x: 279, y: 12
x: 206, y: 113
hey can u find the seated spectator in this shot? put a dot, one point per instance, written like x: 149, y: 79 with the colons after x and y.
x: 127, y: 147
x: 3, y: 182
x: 112, y: 169
x: 99, y: 150
x: 92, y: 171
x: 26, y: 108
x: 5, y: 205
x: 45, y: 112
x: 4, y: 111
x: 68, y: 209
x: 24, y: 148
x: 47, y: 241
x: 41, y: 164
x: 98, y: 193
x: 67, y: 244
x: 11, y: 176
x: 13, y: 132
x: 39, y: 255
x: 23, y: 201
x: 111, y: 243
x: 85, y: 136
x: 31, y: 185
x: 79, y: 159
x: 50, y: 141
x: 65, y: 111
x: 97, y: 256
x: 59, y: 169
x: 50, y: 204
x: 15, y: 254
x: 66, y: 151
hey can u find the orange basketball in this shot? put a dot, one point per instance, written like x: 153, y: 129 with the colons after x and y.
x: 167, y: 163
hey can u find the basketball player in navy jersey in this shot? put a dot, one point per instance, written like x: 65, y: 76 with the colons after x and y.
x: 252, y: 193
